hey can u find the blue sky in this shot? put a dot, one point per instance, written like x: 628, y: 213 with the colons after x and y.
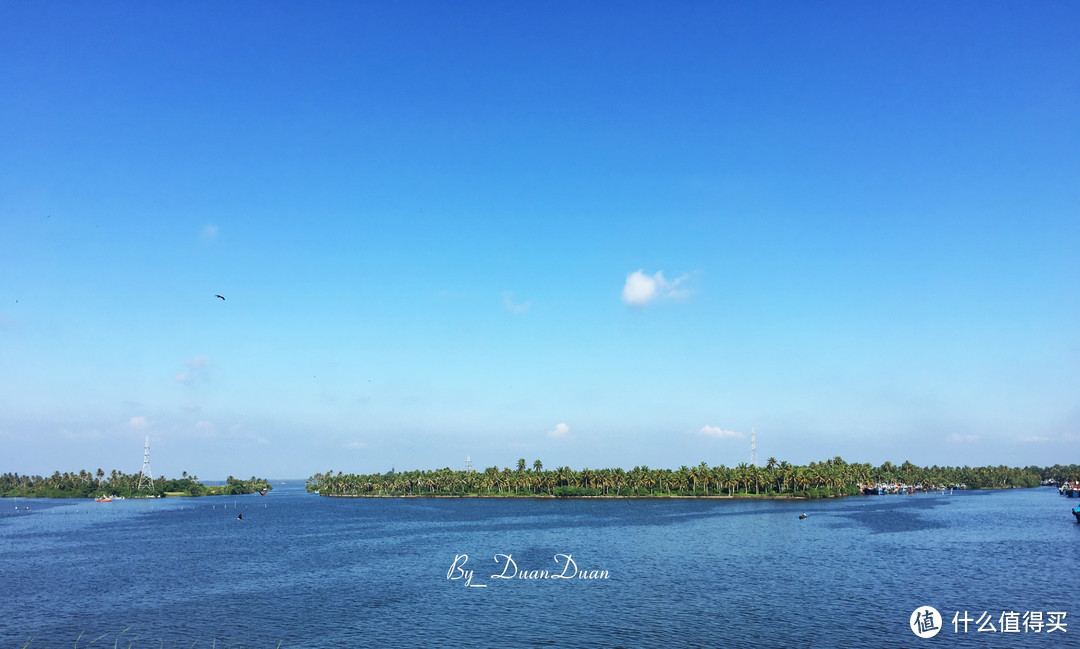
x: 600, y: 234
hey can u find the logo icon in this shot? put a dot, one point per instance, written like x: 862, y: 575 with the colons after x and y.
x: 925, y: 622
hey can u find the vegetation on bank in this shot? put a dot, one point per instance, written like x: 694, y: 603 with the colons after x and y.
x: 1057, y: 474
x: 86, y: 484
x: 833, y: 477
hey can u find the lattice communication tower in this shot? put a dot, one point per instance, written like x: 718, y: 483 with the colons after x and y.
x: 146, y: 478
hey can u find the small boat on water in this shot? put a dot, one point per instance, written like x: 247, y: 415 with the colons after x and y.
x: 262, y: 492
x: 103, y: 499
x: 1076, y: 513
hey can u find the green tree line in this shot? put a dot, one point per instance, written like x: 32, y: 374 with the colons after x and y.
x: 828, y: 478
x: 90, y: 484
x: 1057, y: 474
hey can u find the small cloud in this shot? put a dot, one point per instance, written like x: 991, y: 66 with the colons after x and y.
x: 511, y: 306
x: 81, y: 435
x: 205, y: 428
x: 560, y: 430
x: 957, y: 438
x: 139, y: 423
x: 719, y: 433
x: 641, y: 289
x: 196, y: 369
x: 209, y: 233
x: 1032, y: 439
x: 355, y: 446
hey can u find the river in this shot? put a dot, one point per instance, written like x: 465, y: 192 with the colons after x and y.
x: 299, y: 570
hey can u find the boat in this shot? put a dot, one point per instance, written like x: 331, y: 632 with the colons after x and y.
x: 1076, y: 513
x: 262, y: 492
x: 103, y: 499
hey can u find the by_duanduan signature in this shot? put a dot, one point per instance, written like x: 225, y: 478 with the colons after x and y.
x: 565, y: 568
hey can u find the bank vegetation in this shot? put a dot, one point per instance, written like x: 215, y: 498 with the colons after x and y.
x: 776, y: 479
x: 87, y: 484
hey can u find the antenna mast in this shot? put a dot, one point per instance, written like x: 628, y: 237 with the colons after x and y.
x: 468, y: 464
x: 146, y: 478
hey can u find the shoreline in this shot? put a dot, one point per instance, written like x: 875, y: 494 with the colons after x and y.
x: 551, y: 497
x: 667, y: 497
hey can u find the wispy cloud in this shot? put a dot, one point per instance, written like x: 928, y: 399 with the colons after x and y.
x: 641, y: 289
x: 560, y: 430
x: 957, y: 438
x: 1032, y: 439
x: 139, y: 423
x: 196, y: 369
x: 209, y: 233
x: 91, y: 435
x: 719, y: 433
x: 513, y: 307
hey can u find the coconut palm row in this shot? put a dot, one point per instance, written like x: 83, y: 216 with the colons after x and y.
x: 831, y: 477
x: 86, y: 483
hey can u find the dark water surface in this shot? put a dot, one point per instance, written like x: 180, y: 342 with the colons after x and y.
x: 304, y: 571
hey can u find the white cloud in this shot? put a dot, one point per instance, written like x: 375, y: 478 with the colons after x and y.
x: 205, y: 428
x: 196, y: 369
x: 208, y: 233
x: 560, y: 430
x: 720, y: 433
x: 139, y: 423
x: 1034, y: 439
x: 81, y: 435
x: 511, y: 306
x: 640, y: 289
x: 957, y: 438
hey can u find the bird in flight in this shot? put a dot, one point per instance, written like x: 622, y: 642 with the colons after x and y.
x: 221, y: 296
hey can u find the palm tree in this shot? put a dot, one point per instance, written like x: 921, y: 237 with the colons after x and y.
x: 742, y: 475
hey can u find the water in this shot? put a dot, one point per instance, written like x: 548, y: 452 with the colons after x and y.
x: 305, y: 571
